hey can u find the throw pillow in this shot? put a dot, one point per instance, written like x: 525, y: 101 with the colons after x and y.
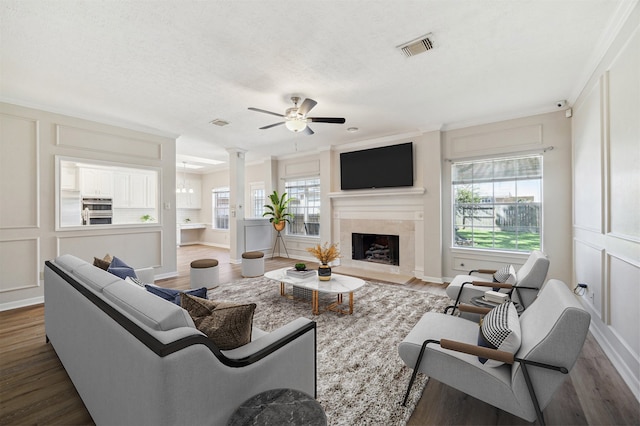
x: 135, y: 282
x: 173, y: 295
x: 228, y: 325
x: 121, y: 269
x: 101, y: 263
x: 506, y: 275
x: 500, y: 329
x: 107, y: 258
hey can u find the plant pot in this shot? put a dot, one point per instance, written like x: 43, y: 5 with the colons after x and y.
x: 279, y: 226
x: 324, y: 272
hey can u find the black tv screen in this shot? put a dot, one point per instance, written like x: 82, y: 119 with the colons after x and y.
x: 384, y: 167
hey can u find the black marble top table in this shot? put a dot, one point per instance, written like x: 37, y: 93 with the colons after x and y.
x: 279, y: 407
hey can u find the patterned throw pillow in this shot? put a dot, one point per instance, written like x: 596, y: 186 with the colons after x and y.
x: 121, y: 269
x: 101, y: 263
x: 505, y: 275
x: 136, y: 282
x: 228, y: 325
x: 500, y: 329
x: 173, y: 295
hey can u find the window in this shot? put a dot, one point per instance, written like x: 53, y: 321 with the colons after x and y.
x: 257, y: 199
x: 220, y: 208
x: 304, y: 206
x: 497, y: 203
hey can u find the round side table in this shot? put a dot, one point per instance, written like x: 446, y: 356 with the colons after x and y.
x: 279, y: 407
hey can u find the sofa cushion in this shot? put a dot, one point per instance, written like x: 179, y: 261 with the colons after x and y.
x: 228, y: 325
x: 147, y: 308
x: 69, y: 262
x: 500, y: 329
x: 173, y: 295
x: 121, y: 269
x: 93, y: 277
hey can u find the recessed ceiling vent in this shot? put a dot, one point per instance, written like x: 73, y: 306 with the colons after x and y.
x: 219, y: 122
x: 417, y: 46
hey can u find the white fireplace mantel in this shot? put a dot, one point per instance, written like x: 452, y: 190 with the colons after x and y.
x: 382, y: 192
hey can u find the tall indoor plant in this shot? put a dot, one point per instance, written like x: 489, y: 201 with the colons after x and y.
x: 277, y: 210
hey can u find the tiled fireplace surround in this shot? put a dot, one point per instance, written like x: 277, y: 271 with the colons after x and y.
x: 381, y: 212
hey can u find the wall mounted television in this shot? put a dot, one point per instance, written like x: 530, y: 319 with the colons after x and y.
x: 384, y: 167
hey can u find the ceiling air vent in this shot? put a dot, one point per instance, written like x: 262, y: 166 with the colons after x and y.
x: 219, y: 122
x: 417, y: 46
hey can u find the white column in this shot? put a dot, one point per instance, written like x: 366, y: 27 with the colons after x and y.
x: 236, y: 204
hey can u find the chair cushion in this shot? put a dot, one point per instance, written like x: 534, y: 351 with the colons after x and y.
x: 500, y: 329
x: 173, y: 295
x: 228, y: 325
x: 505, y: 275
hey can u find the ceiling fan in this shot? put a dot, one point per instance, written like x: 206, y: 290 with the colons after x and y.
x: 295, y: 118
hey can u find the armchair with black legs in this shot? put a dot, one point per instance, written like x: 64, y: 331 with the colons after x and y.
x: 537, y: 351
x: 522, y: 286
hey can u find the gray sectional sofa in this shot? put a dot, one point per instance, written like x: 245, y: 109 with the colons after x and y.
x: 138, y: 359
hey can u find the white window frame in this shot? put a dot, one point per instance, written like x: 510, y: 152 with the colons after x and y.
x: 257, y: 199
x: 305, y: 206
x: 489, y: 214
x: 216, y: 209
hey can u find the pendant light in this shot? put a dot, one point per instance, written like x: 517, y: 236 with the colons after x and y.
x: 183, y: 188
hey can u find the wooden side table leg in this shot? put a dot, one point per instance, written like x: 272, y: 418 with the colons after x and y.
x: 281, y: 288
x: 350, y: 303
x: 314, y: 302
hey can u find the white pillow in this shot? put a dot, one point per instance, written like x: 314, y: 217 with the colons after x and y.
x: 505, y: 275
x: 135, y: 282
x: 500, y: 329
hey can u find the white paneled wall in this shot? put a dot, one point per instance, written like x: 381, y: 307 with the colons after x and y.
x: 31, y: 140
x: 606, y: 200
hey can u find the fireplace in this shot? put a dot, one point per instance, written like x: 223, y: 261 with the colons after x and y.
x: 384, y: 249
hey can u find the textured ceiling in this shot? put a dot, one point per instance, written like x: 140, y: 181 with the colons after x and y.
x: 174, y: 66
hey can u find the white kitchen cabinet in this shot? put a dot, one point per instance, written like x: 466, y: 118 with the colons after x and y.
x: 121, y: 190
x: 134, y: 190
x: 69, y: 177
x: 96, y: 182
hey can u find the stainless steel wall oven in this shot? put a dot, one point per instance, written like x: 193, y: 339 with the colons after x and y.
x: 97, y: 211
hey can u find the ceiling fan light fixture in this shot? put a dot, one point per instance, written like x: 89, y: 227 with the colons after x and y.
x: 296, y: 125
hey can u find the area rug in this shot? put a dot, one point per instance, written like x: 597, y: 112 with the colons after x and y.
x: 361, y: 379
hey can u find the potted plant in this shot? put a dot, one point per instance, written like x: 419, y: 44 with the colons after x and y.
x: 325, y: 254
x: 278, y: 210
x: 300, y: 267
x: 147, y: 218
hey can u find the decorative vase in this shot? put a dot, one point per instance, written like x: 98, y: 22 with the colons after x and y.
x: 324, y: 272
x: 279, y: 226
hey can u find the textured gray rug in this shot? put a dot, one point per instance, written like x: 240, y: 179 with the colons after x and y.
x: 361, y: 378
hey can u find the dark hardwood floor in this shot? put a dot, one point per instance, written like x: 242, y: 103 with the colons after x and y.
x: 35, y: 389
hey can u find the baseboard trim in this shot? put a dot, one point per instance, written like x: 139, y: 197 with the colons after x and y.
x: 21, y: 303
x: 608, y: 342
x: 437, y: 280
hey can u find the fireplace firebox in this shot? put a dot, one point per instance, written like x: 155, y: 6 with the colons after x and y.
x: 376, y: 248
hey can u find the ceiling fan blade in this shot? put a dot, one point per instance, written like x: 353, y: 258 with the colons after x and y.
x: 306, y: 106
x: 265, y: 111
x: 335, y: 120
x: 307, y: 131
x: 272, y: 125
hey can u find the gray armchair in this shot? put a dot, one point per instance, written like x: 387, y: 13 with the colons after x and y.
x: 529, y: 280
x: 553, y: 331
